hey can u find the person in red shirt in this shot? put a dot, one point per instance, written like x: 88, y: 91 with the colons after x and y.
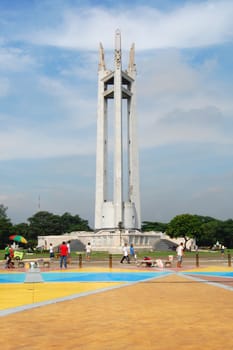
x: 11, y: 252
x: 63, y: 254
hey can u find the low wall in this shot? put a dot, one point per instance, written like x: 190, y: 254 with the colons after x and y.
x: 111, y: 241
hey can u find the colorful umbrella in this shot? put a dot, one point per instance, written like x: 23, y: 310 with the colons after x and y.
x: 18, y: 238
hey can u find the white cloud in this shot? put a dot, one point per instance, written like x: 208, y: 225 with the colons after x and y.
x: 176, y: 103
x: 184, y: 104
x: 13, y: 59
x: 80, y: 107
x: 3, y: 198
x: 193, y: 25
x: 209, y: 190
x: 181, y: 103
x: 33, y: 143
x: 167, y: 74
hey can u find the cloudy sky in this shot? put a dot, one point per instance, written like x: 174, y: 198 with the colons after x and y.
x: 48, y: 102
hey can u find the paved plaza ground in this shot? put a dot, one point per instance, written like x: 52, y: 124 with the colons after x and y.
x: 176, y: 310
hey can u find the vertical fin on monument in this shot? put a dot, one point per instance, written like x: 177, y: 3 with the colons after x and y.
x: 102, y: 65
x: 132, y: 65
x: 118, y: 48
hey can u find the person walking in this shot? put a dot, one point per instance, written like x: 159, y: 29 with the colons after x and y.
x: 125, y: 254
x: 132, y: 252
x: 9, y: 258
x: 51, y: 251
x: 7, y: 251
x: 9, y: 263
x: 180, y: 253
x: 88, y: 251
x: 222, y: 250
x: 12, y: 253
x: 69, y: 252
x: 63, y: 249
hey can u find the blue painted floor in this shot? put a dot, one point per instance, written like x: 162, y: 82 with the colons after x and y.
x: 211, y: 273
x: 85, y: 276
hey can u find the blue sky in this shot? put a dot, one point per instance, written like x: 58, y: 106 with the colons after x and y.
x: 48, y: 103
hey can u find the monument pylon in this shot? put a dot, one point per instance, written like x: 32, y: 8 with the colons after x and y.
x: 117, y: 202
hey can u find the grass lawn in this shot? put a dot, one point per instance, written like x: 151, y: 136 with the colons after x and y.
x: 140, y: 254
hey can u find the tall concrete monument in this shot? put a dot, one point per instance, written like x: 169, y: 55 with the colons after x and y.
x: 117, y: 202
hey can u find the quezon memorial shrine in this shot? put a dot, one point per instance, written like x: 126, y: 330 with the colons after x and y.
x: 117, y: 198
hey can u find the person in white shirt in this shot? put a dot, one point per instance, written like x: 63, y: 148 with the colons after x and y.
x: 69, y: 253
x: 180, y: 253
x: 88, y: 251
x: 125, y: 254
x: 51, y: 251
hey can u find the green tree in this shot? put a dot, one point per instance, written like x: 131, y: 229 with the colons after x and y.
x: 70, y: 223
x: 21, y: 229
x: 185, y: 225
x: 209, y: 233
x: 44, y: 223
x: 5, y: 226
x: 154, y: 226
x: 225, y: 233
x: 216, y: 230
x: 3, y: 211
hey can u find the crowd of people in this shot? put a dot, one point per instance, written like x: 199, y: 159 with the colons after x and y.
x: 65, y: 253
x: 128, y: 253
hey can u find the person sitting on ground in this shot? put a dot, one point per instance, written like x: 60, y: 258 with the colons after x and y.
x: 148, y: 261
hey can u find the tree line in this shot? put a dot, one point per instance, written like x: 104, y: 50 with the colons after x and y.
x: 42, y: 223
x: 206, y: 230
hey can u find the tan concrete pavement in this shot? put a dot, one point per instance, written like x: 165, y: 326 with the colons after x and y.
x: 166, y: 313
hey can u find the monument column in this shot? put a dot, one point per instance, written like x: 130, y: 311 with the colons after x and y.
x: 117, y: 212
x: 118, y: 157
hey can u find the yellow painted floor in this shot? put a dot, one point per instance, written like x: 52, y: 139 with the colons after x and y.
x: 19, y: 294
x: 14, y: 295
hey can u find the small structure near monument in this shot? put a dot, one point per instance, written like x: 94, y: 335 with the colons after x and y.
x: 33, y: 274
